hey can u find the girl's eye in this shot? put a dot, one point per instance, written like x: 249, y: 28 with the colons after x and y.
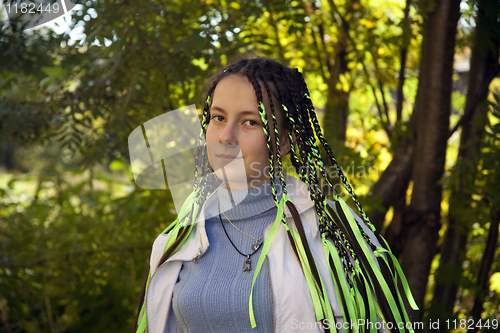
x: 218, y: 119
x: 251, y: 123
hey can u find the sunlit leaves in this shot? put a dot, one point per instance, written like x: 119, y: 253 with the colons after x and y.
x: 77, y: 239
x: 83, y: 239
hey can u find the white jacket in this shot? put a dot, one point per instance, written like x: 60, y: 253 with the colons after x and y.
x: 293, y: 307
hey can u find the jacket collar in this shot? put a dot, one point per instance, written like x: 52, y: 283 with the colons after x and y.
x: 297, y: 191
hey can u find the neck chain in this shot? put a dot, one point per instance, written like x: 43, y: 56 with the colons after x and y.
x: 257, y: 240
x: 247, y: 266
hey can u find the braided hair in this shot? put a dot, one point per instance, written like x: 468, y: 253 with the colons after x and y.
x: 367, y: 288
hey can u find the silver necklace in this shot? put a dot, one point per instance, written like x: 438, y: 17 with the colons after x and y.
x: 247, y: 265
x: 258, y: 241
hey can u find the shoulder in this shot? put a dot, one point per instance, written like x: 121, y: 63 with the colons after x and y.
x: 157, y: 251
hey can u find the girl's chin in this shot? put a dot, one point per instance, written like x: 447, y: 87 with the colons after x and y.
x: 235, y: 179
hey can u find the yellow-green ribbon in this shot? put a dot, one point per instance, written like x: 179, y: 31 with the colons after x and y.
x: 401, y: 275
x: 331, y: 251
x: 143, y: 322
x: 311, y: 283
x: 265, y: 249
x: 353, y: 226
x: 174, y: 229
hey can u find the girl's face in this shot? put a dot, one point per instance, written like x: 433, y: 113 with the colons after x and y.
x: 235, y: 135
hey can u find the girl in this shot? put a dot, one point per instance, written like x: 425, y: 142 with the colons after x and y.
x: 256, y: 250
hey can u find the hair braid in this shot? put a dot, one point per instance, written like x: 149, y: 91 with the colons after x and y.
x: 297, y: 164
x: 277, y: 153
x: 314, y: 120
x: 302, y: 145
x: 201, y: 150
x: 306, y: 148
x: 264, y: 118
x: 316, y: 194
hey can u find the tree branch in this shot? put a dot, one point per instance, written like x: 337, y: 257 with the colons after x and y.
x: 394, y: 178
x: 404, y: 53
x: 321, y: 34
x: 374, y: 90
x: 481, y: 96
x: 49, y: 311
x: 387, y: 125
x: 318, y: 55
x: 276, y: 32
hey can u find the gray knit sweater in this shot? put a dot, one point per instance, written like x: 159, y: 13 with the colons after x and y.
x: 212, y: 294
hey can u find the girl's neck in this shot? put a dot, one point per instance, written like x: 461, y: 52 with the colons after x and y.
x: 238, y: 204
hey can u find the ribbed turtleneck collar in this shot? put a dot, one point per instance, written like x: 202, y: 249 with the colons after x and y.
x: 247, y: 203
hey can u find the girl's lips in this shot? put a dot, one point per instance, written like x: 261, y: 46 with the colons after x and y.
x: 227, y: 157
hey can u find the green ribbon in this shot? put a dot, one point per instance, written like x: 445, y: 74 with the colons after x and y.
x: 360, y: 303
x: 331, y: 251
x: 372, y: 310
x: 318, y: 303
x: 327, y: 308
x: 401, y: 275
x: 179, y: 222
x: 174, y: 229
x: 190, y: 200
x: 265, y: 249
x: 141, y: 328
x: 352, y: 225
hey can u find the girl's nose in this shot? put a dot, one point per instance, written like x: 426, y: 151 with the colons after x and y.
x: 228, y: 135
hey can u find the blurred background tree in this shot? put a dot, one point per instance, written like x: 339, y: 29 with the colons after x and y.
x: 407, y: 92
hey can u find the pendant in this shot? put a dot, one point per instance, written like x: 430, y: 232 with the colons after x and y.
x: 256, y: 246
x: 247, y: 266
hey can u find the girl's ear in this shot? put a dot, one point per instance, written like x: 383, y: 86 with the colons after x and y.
x: 285, y: 146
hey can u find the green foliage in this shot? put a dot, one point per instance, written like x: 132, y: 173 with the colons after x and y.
x: 77, y: 240
x: 75, y: 230
x: 483, y: 189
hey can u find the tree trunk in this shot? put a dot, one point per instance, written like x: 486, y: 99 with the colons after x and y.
x: 7, y: 150
x: 484, y: 62
x: 337, y: 104
x: 484, y: 270
x: 393, y: 233
x: 393, y: 181
x: 335, y: 128
x: 421, y: 220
